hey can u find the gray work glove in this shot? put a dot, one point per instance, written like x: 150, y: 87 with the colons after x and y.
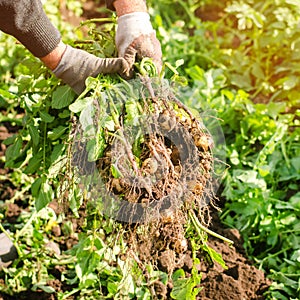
x: 76, y: 65
x: 136, y: 38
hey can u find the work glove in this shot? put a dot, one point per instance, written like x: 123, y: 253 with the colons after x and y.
x: 136, y: 38
x: 76, y: 65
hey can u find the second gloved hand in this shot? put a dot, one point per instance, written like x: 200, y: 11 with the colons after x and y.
x: 136, y: 37
x: 76, y: 65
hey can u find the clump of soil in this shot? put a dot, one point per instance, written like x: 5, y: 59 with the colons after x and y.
x: 242, y: 280
x: 155, y: 169
x: 157, y: 161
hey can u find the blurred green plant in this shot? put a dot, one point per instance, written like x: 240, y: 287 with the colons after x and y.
x: 244, y: 64
x: 258, y: 43
x: 261, y: 187
x: 255, y: 42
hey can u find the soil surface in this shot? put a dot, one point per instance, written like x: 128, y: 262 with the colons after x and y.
x: 241, y: 280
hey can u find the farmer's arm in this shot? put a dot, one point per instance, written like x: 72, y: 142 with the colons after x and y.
x: 135, y: 36
x: 27, y: 22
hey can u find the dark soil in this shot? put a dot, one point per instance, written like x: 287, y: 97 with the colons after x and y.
x: 241, y: 280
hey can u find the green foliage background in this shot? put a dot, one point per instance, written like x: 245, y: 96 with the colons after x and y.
x: 242, y: 61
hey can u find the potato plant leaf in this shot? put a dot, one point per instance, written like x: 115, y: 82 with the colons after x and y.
x: 80, y: 104
x: 13, y: 151
x: 46, y: 117
x: 44, y: 196
x: 62, y: 97
x: 185, y: 288
x: 34, y: 134
x: 34, y: 163
x: 215, y: 256
x: 57, y: 132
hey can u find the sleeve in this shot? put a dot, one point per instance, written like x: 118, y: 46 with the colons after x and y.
x: 26, y: 21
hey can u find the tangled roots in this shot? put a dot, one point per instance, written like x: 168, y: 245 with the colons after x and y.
x: 155, y: 157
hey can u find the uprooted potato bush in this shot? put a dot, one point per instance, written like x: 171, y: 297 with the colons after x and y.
x: 144, y: 159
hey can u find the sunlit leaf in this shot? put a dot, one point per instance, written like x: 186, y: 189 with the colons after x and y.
x: 62, y: 97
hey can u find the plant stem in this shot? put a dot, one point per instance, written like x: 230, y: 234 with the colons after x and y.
x: 19, y: 233
x: 200, y: 227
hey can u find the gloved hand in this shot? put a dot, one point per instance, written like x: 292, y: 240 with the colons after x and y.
x: 76, y: 65
x: 136, y: 38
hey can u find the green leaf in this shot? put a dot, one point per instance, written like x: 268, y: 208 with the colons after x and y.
x: 45, y: 288
x: 215, y: 256
x: 250, y: 177
x: 112, y: 287
x: 132, y: 111
x: 6, y: 94
x: 47, y: 118
x: 81, y: 104
x: 57, y: 132
x: 289, y: 219
x: 274, y: 109
x: 95, y: 147
x: 178, y: 274
x: 109, y: 123
x: 35, y: 187
x: 296, y: 256
x: 58, y: 150
x: 13, y: 152
x: 34, y: 163
x: 196, y: 73
x: 242, y: 81
x: 142, y: 293
x: 264, y: 170
x: 62, y: 97
x: 185, y: 288
x: 44, y: 196
x: 288, y: 82
x: 295, y: 161
x: 115, y: 171
x: 10, y: 140
x: 64, y: 114
x: 34, y: 133
x: 257, y: 71
x: 24, y: 82
x: 57, y: 167
x: 234, y: 157
x: 295, y: 200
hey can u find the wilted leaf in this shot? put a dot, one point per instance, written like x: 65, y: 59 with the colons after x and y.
x: 80, y: 104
